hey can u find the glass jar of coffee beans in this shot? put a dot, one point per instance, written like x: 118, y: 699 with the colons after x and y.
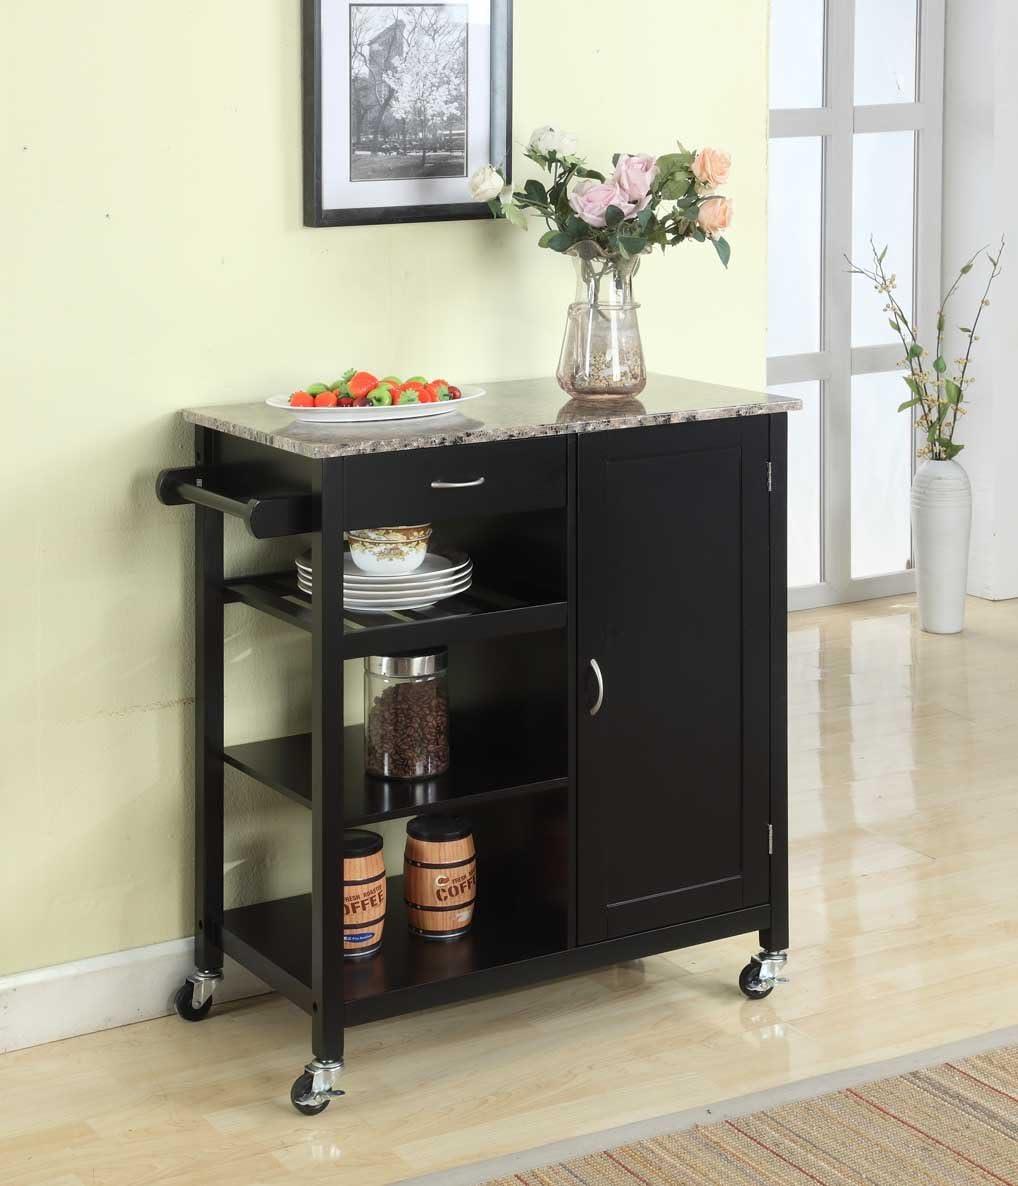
x: 406, y: 714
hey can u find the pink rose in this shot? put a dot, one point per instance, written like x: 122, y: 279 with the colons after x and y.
x: 712, y: 167
x: 591, y: 199
x: 634, y: 175
x: 715, y: 216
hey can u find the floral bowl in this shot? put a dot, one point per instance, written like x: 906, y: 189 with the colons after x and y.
x: 390, y: 551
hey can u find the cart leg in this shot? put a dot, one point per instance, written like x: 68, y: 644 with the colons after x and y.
x: 313, y: 1090
x: 208, y: 863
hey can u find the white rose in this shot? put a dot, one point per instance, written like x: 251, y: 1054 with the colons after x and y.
x: 486, y: 183
x: 548, y: 139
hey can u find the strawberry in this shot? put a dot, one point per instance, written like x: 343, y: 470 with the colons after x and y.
x: 345, y: 401
x: 429, y: 395
x: 301, y: 399
x: 326, y: 399
x: 361, y: 384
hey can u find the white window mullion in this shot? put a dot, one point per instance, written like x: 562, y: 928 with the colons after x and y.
x: 840, y: 51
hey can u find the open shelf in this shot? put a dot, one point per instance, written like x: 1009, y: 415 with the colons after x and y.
x: 483, y: 768
x: 274, y: 940
x: 478, y: 613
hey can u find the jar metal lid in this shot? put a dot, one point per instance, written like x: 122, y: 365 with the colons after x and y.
x: 409, y: 663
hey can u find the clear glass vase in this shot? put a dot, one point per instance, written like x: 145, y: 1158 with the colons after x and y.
x: 602, y: 354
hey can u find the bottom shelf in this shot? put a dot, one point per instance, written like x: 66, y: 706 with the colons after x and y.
x: 273, y: 939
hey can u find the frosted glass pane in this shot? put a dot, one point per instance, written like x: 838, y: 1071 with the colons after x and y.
x: 794, y: 226
x: 805, y: 455
x: 883, y: 194
x: 885, y: 51
x: 882, y: 450
x: 797, y: 53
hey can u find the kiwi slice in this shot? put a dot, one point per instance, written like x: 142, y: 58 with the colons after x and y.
x: 317, y: 389
x: 417, y: 379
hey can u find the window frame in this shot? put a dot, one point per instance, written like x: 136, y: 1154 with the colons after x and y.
x: 837, y: 361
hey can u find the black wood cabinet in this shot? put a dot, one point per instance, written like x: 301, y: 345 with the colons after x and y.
x: 617, y: 702
x: 673, y: 606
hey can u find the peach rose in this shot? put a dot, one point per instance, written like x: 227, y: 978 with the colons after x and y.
x: 715, y: 216
x: 712, y: 167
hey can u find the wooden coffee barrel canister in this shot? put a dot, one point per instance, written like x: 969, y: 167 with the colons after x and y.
x: 440, y: 876
x: 363, y: 893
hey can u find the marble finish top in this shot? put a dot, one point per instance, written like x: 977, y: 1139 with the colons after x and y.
x: 510, y: 411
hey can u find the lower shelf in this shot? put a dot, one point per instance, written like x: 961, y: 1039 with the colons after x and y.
x: 273, y: 939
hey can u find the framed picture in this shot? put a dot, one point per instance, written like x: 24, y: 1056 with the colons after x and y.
x: 402, y: 102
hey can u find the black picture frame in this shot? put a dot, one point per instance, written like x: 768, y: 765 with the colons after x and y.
x: 316, y: 214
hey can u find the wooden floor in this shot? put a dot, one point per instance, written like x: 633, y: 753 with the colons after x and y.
x: 904, y: 777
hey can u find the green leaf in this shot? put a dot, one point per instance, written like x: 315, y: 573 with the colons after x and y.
x: 575, y: 226
x: 915, y: 350
x: 495, y: 206
x: 940, y: 323
x: 546, y: 238
x: 939, y: 365
x: 560, y: 241
x: 698, y: 235
x: 615, y: 158
x: 613, y: 216
x: 964, y: 329
x: 675, y: 187
x: 952, y: 391
x: 952, y: 450
x: 516, y: 216
x: 583, y: 171
x: 966, y: 269
x: 644, y: 218
x: 893, y: 323
x: 674, y: 162
x: 909, y: 403
x: 632, y: 244
x: 724, y: 250
x: 535, y: 191
x: 882, y: 256
x: 913, y: 386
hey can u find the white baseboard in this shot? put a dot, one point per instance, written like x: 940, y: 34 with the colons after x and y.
x: 103, y: 992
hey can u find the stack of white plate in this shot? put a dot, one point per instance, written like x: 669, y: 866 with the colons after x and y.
x: 442, y: 575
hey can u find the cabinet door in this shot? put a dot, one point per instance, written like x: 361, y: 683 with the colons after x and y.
x: 674, y: 610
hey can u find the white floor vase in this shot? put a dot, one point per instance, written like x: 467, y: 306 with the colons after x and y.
x: 941, y: 527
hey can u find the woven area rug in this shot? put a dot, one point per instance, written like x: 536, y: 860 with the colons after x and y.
x: 950, y: 1125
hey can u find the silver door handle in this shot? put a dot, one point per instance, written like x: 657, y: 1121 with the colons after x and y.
x: 600, y: 687
x: 439, y: 485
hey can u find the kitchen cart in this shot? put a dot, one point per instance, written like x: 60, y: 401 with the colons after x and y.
x: 617, y: 687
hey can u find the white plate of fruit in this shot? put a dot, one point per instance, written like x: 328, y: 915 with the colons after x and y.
x: 359, y: 396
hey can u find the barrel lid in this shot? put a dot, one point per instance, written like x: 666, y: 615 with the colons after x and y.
x: 439, y: 828
x: 359, y: 842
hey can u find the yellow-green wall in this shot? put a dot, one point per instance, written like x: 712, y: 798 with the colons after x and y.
x: 152, y: 256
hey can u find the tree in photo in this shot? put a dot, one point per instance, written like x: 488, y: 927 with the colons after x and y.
x: 427, y: 83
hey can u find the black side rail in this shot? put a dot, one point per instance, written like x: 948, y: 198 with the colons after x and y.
x: 265, y: 518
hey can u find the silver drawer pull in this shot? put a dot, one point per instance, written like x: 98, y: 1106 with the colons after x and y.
x: 438, y: 485
x: 600, y: 687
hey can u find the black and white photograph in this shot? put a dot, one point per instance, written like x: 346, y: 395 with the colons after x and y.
x: 408, y: 91
x: 402, y: 102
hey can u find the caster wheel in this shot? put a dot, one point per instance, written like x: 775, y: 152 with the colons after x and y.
x: 751, y: 986
x: 301, y: 1087
x: 182, y: 1002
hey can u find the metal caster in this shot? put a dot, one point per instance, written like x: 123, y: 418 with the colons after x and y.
x: 758, y: 978
x: 194, y: 998
x: 315, y: 1089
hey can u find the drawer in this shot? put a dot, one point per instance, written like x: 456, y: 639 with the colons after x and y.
x: 425, y: 485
